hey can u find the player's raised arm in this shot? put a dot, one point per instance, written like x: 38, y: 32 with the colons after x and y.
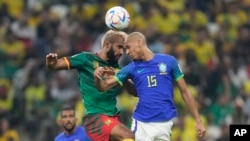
x: 104, y: 79
x: 53, y: 63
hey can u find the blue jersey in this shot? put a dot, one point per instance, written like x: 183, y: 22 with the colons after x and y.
x: 153, y: 81
x: 78, y: 135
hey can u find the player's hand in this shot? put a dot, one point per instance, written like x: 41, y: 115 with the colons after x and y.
x: 98, y: 73
x: 105, y: 72
x: 51, y: 59
x: 108, y: 72
x: 200, y: 129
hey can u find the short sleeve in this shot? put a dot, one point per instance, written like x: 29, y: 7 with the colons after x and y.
x: 124, y: 73
x: 177, y: 72
x: 77, y: 60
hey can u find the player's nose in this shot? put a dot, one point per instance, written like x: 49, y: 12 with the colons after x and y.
x: 127, y: 51
x: 121, y: 51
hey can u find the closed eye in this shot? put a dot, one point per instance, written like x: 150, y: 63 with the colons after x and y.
x: 127, y: 47
x: 120, y: 46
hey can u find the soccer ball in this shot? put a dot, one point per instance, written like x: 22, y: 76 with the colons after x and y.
x: 117, y: 18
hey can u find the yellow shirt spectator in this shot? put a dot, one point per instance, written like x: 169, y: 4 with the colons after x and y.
x: 15, y: 6
x: 169, y: 24
x: 205, y: 51
x: 7, y: 134
x: 186, y: 130
x: 10, y: 134
x: 173, y: 5
x: 195, y: 18
x: 7, y: 103
x: 126, y: 101
x: 15, y: 49
x: 34, y: 93
x: 233, y: 19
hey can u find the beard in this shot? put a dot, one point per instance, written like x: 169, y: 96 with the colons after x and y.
x: 69, y: 129
x: 111, y: 56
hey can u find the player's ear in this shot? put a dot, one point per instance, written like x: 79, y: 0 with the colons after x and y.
x: 60, y: 121
x: 139, y: 42
x: 106, y: 44
x: 76, y: 119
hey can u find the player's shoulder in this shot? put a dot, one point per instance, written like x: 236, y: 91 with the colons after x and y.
x: 80, y: 128
x: 164, y: 56
x: 88, y: 53
x: 84, y: 54
x: 60, y: 137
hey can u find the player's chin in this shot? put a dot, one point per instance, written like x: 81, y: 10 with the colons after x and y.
x: 69, y: 127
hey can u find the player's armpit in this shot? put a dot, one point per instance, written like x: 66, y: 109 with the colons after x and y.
x: 129, y: 86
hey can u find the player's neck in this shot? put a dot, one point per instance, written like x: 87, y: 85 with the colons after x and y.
x: 147, y: 55
x: 102, y: 55
x: 69, y: 132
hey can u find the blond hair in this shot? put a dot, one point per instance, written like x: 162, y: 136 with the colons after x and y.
x: 111, y: 36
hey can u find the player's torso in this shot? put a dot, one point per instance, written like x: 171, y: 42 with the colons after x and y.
x: 154, y: 83
x: 153, y: 79
x: 95, y: 101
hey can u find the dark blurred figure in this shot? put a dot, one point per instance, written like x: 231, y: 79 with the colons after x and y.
x: 241, y: 50
x: 224, y: 133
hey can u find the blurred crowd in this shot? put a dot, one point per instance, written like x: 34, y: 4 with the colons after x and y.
x: 210, y: 39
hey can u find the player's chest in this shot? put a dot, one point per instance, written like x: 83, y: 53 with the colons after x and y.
x: 159, y: 68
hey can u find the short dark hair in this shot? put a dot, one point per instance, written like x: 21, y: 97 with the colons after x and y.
x: 67, y: 107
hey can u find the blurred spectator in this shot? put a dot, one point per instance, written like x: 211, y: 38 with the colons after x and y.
x: 23, y: 31
x: 204, y: 48
x: 6, y: 132
x: 34, y: 95
x: 221, y: 110
x: 6, y: 97
x: 13, y: 51
x: 15, y: 7
x: 81, y: 41
x: 62, y: 88
x: 224, y: 133
x: 46, y: 31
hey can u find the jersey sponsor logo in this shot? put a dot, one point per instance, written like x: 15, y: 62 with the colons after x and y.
x: 140, y: 70
x: 77, y: 140
x: 162, y: 68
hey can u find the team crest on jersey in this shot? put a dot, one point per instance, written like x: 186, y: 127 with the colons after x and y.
x: 162, y: 68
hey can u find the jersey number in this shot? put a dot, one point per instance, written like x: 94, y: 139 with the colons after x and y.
x: 152, y: 81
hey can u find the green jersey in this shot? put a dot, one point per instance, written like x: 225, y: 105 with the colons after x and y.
x: 95, y: 102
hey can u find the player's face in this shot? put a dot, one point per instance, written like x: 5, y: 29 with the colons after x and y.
x: 115, y: 51
x: 132, y: 49
x: 68, y: 120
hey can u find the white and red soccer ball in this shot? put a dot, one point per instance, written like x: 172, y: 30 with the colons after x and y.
x: 117, y: 18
